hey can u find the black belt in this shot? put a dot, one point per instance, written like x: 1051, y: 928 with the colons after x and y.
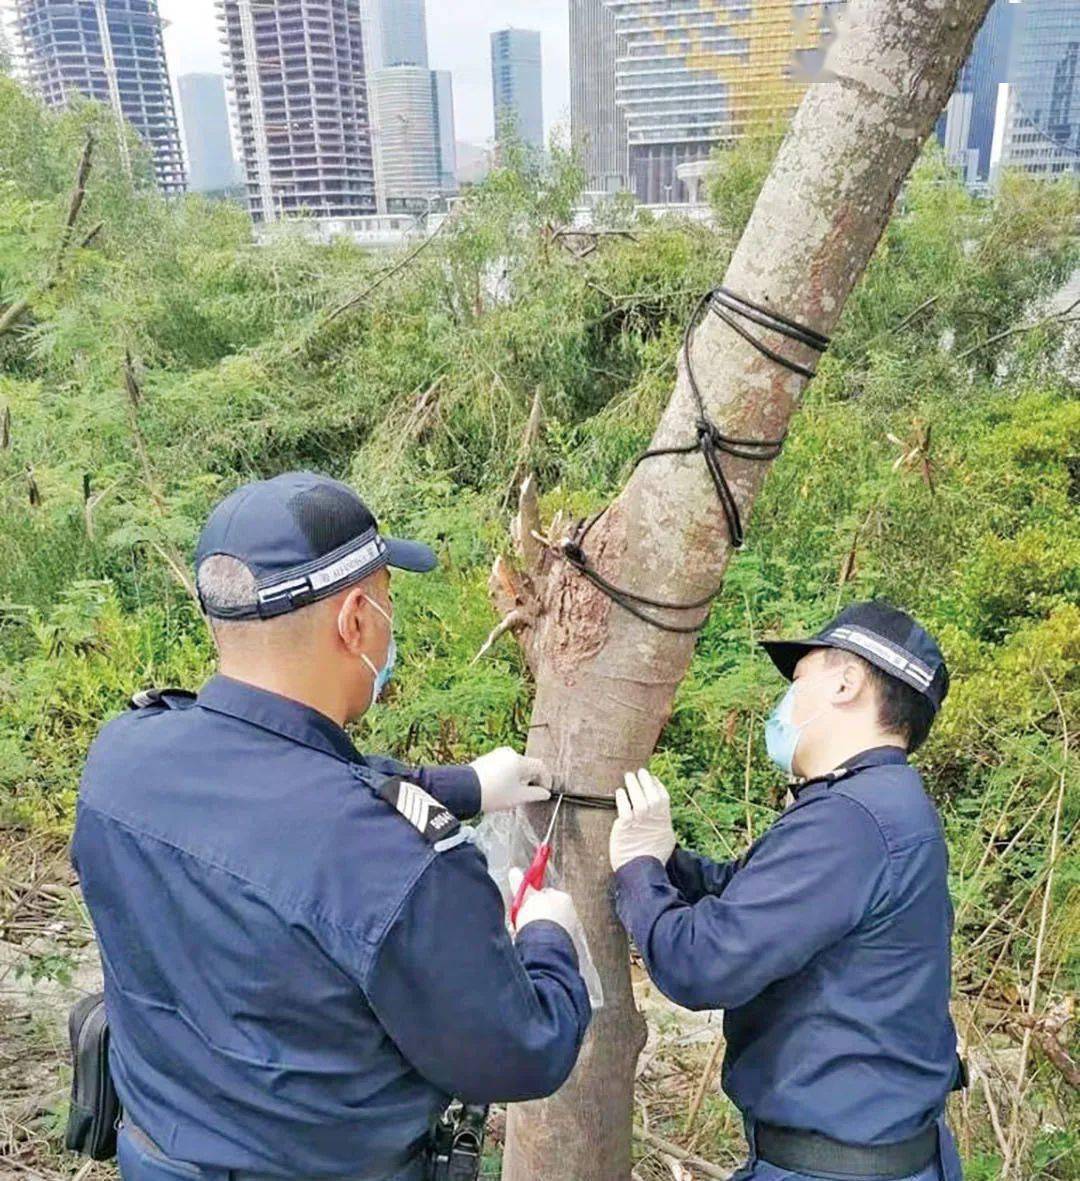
x: 821, y: 1156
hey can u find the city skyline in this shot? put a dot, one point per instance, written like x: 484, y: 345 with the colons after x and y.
x: 457, y: 41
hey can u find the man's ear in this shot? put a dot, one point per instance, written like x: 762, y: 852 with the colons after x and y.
x: 854, y: 684
x: 352, y: 621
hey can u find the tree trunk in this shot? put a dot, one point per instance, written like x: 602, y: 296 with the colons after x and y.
x: 605, y: 681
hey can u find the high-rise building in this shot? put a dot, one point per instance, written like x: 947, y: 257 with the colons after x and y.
x: 1038, y: 114
x: 516, y: 85
x: 296, y: 72
x: 412, y: 110
x: 205, y: 116
x: 1017, y: 101
x: 442, y: 99
x: 111, y: 51
x: 404, y: 33
x: 408, y: 140
x: 597, y: 124
x: 692, y: 75
x: 966, y: 127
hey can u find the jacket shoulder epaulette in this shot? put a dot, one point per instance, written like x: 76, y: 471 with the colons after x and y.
x: 434, y: 822
x: 167, y: 698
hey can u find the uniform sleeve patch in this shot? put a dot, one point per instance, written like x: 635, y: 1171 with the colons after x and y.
x: 436, y: 824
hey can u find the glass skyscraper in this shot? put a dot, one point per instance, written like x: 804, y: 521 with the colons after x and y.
x: 211, y: 167
x: 404, y: 33
x: 597, y: 124
x: 516, y: 85
x: 1017, y: 101
x: 966, y: 127
x: 1041, y: 121
x: 407, y: 136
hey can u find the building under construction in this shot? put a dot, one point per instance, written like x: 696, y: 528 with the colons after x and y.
x: 298, y: 90
x: 111, y: 51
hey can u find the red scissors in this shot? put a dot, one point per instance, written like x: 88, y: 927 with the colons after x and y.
x: 534, y: 877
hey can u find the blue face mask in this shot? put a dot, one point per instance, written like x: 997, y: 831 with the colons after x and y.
x: 781, y: 734
x: 382, y: 675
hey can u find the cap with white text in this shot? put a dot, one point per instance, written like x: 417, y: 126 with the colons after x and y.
x: 304, y: 537
x: 882, y: 635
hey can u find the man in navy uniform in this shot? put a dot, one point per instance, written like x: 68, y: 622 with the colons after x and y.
x: 827, y: 944
x: 304, y: 956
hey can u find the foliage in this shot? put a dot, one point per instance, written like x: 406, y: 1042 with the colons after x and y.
x: 934, y: 463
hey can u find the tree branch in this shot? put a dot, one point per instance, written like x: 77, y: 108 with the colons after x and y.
x: 163, y: 548
x: 706, y: 1168
x: 1012, y: 1161
x: 18, y: 310
x: 1061, y: 317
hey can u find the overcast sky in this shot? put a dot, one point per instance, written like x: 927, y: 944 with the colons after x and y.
x: 457, y: 41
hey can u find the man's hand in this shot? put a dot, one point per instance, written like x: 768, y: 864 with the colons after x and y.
x: 553, y: 905
x: 643, y: 827
x: 508, y: 779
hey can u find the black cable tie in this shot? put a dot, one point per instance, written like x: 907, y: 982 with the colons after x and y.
x: 582, y: 800
x: 711, y: 442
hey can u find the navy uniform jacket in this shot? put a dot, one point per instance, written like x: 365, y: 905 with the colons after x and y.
x: 296, y: 976
x: 827, y: 946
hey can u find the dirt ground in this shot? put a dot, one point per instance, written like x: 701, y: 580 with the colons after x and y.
x: 47, y: 961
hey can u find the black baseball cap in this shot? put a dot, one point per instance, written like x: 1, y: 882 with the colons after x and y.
x: 304, y: 537
x: 882, y: 635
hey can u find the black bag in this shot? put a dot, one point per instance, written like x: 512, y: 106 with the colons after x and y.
x: 95, y: 1106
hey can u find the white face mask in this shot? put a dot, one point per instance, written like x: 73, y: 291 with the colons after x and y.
x: 381, y: 675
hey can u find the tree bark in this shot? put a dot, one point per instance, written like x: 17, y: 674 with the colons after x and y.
x: 605, y: 682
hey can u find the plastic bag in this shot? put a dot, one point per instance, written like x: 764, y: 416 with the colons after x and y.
x: 508, y: 841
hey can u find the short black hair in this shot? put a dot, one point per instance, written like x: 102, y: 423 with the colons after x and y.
x: 901, y: 709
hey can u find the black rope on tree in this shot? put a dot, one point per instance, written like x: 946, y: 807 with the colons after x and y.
x: 712, y: 443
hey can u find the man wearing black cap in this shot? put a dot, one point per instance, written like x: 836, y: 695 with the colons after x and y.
x: 827, y: 943
x: 304, y: 956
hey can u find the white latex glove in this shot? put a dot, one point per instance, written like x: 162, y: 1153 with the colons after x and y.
x: 508, y: 779
x: 553, y: 905
x: 643, y: 827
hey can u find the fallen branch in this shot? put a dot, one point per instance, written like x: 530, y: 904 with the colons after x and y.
x: 355, y: 300
x: 995, y: 1119
x: 75, y: 202
x: 706, y: 1168
x: 1054, y: 1051
x: 703, y: 1085
x: 1062, y: 317
x: 528, y: 441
